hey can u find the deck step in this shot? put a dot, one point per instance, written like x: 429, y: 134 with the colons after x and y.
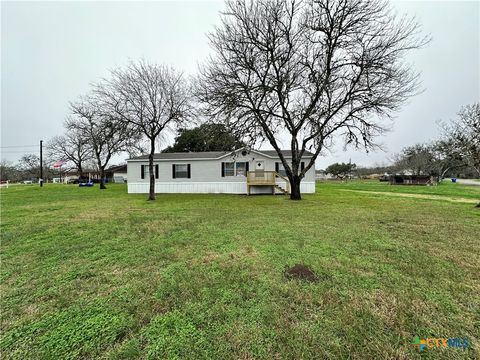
x: 281, y: 189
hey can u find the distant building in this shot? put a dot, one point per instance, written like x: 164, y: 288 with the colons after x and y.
x: 411, y: 180
x: 117, y: 174
x: 320, y: 175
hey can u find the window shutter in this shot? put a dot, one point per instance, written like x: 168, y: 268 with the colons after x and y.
x: 223, y: 169
x: 173, y: 171
x: 142, y: 171
x: 247, y: 167
x: 156, y: 171
x: 188, y: 171
x: 276, y: 167
x: 302, y: 166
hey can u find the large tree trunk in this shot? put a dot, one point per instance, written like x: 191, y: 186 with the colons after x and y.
x: 102, y: 178
x: 151, y: 194
x: 295, y: 188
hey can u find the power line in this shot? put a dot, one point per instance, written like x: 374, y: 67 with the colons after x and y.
x: 18, y: 146
x: 19, y: 151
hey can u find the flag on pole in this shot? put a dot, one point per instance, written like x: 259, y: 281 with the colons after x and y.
x: 58, y: 164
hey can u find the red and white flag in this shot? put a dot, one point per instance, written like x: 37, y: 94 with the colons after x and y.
x: 58, y: 164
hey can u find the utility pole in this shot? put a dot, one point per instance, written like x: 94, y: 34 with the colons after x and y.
x: 41, y: 163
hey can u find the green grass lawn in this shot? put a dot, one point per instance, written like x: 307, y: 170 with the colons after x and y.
x: 102, y: 274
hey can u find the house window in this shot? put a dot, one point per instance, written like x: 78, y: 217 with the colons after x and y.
x: 234, y: 168
x: 181, y: 171
x: 145, y: 171
x: 229, y: 169
x: 241, y: 169
x: 280, y: 169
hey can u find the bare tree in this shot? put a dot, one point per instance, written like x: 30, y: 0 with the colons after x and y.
x: 151, y: 98
x: 445, y: 160
x: 8, y: 171
x: 434, y: 159
x: 418, y: 158
x: 71, y: 147
x: 104, y: 134
x: 28, y: 168
x: 311, y: 70
x: 463, y: 136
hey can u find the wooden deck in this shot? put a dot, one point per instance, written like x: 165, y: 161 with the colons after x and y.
x: 267, y: 178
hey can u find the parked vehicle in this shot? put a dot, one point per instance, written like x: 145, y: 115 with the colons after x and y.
x: 80, y: 180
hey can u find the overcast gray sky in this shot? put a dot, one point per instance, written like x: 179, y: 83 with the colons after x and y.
x: 51, y: 51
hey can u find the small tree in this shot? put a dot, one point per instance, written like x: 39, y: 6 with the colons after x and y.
x: 104, y: 134
x: 463, y: 136
x: 434, y: 159
x: 150, y: 98
x: 8, y: 171
x: 28, y: 167
x: 419, y: 159
x: 446, y: 159
x: 206, y: 137
x: 311, y: 70
x: 340, y: 169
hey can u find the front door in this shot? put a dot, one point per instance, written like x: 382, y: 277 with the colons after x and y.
x: 259, y: 165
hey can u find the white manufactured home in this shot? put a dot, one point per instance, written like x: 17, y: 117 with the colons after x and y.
x: 239, y: 172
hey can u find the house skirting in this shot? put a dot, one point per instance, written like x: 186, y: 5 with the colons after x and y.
x: 191, y: 187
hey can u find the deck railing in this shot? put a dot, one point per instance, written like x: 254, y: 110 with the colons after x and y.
x: 260, y: 177
x: 266, y: 178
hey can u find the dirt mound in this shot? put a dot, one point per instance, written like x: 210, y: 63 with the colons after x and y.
x: 300, y: 272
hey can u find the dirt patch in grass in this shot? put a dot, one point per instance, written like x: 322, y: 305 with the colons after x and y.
x: 300, y: 272
x: 209, y: 258
x: 381, y: 304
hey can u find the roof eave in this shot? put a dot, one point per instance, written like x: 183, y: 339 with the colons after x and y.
x: 219, y: 157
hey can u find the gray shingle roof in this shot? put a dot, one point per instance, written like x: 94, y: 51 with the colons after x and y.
x: 208, y: 155
x: 284, y: 152
x: 184, y: 155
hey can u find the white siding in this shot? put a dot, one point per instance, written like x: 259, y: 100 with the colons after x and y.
x: 210, y: 188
